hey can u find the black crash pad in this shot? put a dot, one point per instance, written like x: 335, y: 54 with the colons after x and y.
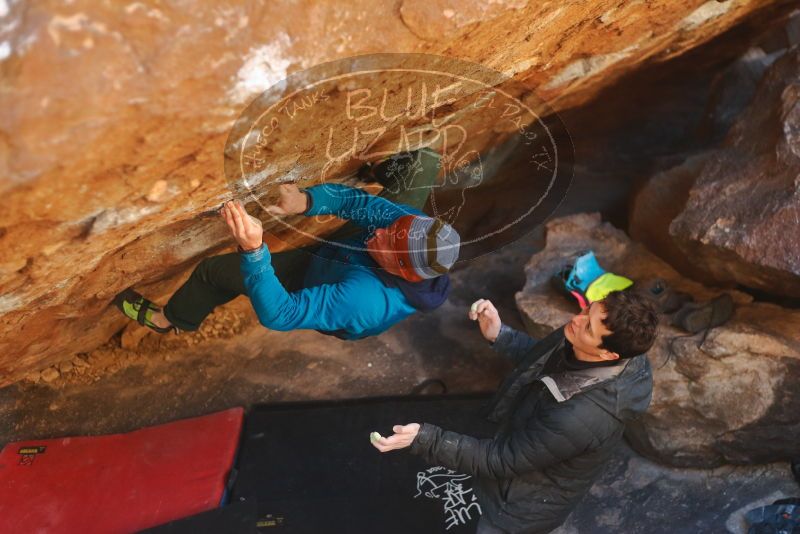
x: 311, y: 467
x: 237, y: 518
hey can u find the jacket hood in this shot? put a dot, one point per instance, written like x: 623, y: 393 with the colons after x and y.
x: 623, y: 390
x: 629, y: 395
x: 425, y: 295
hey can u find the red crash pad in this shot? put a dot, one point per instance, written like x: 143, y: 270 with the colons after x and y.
x: 120, y: 482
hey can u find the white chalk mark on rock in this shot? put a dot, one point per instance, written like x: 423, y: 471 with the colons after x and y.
x: 264, y: 67
x: 710, y: 10
x: 74, y: 23
x: 590, y: 66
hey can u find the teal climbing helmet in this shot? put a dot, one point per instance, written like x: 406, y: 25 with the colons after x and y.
x: 584, y: 271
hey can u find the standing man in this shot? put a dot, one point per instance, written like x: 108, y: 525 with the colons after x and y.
x: 561, y: 413
x: 389, y: 262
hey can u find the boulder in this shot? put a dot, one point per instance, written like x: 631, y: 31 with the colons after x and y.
x: 656, y: 204
x: 114, y: 121
x: 732, y: 399
x: 741, y: 221
x: 663, y: 197
x: 733, y: 89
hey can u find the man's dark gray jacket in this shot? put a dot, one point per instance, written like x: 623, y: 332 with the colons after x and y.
x: 555, y: 434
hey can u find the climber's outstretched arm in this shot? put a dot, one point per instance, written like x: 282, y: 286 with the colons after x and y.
x: 345, y: 202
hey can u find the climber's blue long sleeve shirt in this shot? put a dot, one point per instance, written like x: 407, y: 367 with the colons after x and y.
x: 341, y: 293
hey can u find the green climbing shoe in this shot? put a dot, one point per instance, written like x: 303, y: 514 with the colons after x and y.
x: 136, y: 307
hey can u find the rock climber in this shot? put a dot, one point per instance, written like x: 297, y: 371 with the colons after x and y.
x: 388, y: 262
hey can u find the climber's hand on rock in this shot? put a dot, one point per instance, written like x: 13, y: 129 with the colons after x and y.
x: 291, y: 202
x: 247, y: 230
x: 488, y: 318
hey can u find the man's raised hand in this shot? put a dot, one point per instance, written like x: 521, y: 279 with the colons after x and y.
x: 246, y: 230
x: 488, y: 318
x: 403, y: 437
x: 292, y: 201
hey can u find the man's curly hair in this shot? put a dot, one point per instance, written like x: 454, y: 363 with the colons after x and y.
x: 633, y: 321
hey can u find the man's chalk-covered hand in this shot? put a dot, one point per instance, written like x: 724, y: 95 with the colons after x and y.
x: 403, y: 437
x: 488, y: 318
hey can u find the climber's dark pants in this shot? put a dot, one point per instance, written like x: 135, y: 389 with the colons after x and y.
x: 218, y: 279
